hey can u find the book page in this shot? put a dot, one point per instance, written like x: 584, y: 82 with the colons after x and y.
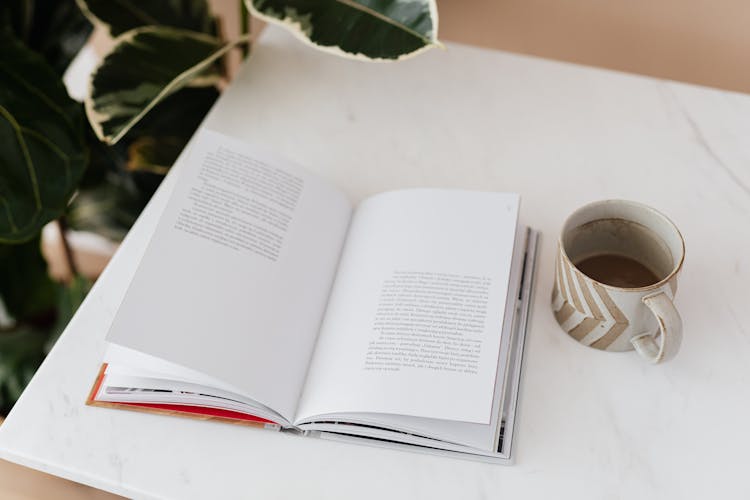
x: 414, y: 322
x: 236, y: 277
x: 479, y: 436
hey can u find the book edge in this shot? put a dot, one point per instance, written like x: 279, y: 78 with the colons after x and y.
x: 527, y: 282
x: 93, y: 402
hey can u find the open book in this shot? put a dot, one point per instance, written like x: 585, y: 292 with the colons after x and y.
x: 265, y: 297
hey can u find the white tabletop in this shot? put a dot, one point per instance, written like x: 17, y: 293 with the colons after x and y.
x: 591, y: 424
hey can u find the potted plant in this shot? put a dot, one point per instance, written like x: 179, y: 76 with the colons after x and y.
x: 93, y: 165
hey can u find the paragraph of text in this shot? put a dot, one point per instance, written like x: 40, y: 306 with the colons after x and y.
x: 241, y: 203
x: 432, y: 321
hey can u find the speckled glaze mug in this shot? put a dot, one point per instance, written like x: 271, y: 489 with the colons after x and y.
x: 616, y: 277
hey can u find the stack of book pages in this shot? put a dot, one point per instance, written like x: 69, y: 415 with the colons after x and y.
x: 265, y: 297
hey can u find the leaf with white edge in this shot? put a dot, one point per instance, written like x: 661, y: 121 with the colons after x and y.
x: 42, y: 155
x: 145, y: 66
x: 361, y: 29
x: 122, y: 15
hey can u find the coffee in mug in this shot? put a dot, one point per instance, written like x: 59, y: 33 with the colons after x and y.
x: 616, y: 276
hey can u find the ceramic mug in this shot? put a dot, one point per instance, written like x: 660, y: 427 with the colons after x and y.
x: 616, y: 277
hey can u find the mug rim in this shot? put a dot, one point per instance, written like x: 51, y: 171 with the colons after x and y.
x: 675, y: 269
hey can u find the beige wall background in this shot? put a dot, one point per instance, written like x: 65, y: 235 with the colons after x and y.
x: 706, y: 42
x: 698, y: 41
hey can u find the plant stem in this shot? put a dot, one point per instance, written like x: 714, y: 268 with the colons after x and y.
x: 62, y: 226
x: 244, y: 27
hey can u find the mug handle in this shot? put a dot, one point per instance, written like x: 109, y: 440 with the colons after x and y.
x: 670, y: 325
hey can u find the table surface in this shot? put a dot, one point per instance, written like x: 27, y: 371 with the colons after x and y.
x: 591, y: 424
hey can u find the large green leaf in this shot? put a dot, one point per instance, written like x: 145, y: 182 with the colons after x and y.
x: 145, y: 66
x: 25, y: 287
x: 179, y: 114
x: 370, y: 29
x: 123, y: 15
x: 42, y: 155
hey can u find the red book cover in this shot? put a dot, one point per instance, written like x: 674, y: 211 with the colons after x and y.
x: 199, y: 412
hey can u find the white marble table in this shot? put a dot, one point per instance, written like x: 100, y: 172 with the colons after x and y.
x: 592, y: 424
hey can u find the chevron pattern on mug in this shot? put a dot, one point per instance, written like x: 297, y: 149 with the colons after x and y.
x: 588, y: 312
x: 596, y: 322
x: 615, y: 279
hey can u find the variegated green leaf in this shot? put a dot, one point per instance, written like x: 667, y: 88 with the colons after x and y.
x: 364, y: 29
x: 145, y: 66
x: 120, y: 16
x: 42, y: 156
